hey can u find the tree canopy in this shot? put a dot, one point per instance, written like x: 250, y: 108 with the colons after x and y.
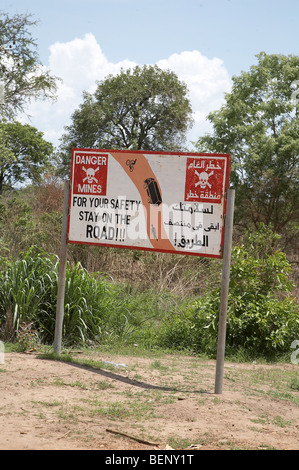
x: 259, y: 126
x: 142, y: 108
x: 24, y: 154
x: 22, y: 76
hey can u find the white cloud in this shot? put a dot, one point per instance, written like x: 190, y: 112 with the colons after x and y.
x: 81, y: 62
x: 207, y: 81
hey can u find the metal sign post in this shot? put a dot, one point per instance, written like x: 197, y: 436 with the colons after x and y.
x: 62, y: 271
x: 224, y: 289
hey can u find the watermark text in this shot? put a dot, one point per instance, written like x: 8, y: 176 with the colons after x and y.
x: 1, y: 352
x: 2, y: 93
x: 295, y: 94
x: 295, y: 354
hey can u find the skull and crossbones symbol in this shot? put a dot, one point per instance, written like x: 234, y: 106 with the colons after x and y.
x: 90, y: 175
x: 203, y: 179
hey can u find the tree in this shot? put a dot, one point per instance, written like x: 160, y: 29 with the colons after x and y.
x: 23, y: 154
x: 143, y: 108
x: 259, y: 126
x: 22, y: 76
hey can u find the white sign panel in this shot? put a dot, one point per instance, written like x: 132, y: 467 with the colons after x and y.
x: 169, y: 202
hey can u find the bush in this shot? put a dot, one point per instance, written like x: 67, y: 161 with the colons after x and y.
x: 260, y: 319
x: 262, y: 315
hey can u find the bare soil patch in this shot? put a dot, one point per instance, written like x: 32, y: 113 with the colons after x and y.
x: 152, y: 403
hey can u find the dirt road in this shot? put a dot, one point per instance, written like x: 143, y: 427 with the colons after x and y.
x: 132, y: 402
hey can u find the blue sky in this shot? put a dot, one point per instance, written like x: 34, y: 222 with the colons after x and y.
x: 205, y: 42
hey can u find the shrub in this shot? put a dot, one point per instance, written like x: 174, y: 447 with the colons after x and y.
x: 260, y: 319
x: 262, y: 315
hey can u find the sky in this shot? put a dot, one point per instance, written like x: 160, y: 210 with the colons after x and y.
x: 205, y: 42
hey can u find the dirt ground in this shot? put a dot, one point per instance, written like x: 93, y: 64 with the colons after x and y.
x: 131, y: 403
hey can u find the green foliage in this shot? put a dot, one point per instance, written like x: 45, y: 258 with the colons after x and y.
x: 89, y: 303
x: 28, y: 290
x: 24, y: 154
x: 94, y: 310
x: 262, y: 316
x: 16, y: 223
x: 259, y: 126
x: 21, y: 73
x: 29, y: 217
x: 145, y: 310
x: 259, y: 319
x: 143, y: 108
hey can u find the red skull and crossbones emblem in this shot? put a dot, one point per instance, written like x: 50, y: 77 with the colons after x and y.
x: 203, y: 179
x: 90, y: 175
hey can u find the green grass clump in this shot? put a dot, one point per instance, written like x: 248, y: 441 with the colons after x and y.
x: 28, y: 296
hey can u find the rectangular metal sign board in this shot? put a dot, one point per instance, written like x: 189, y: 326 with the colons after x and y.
x: 168, y: 202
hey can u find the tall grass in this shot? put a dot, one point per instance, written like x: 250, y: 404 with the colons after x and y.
x: 95, y: 310
x: 27, y: 288
x: 28, y: 292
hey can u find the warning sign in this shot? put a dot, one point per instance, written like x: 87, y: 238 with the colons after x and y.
x: 169, y: 202
x: 204, y: 179
x: 91, y: 173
